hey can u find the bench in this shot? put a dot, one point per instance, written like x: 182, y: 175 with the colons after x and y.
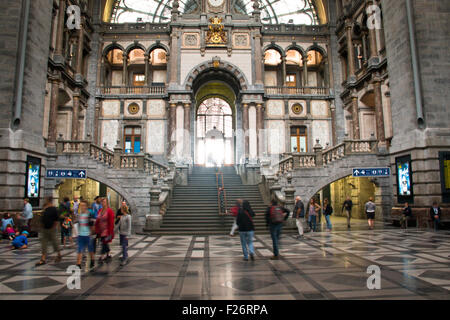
x: 421, y: 216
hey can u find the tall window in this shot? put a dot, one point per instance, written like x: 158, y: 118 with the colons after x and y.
x: 132, y: 138
x: 214, y: 133
x: 299, y: 139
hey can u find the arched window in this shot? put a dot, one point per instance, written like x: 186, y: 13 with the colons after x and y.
x: 299, y: 139
x: 273, y: 73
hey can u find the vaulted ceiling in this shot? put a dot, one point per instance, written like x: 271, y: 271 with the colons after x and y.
x: 309, y: 12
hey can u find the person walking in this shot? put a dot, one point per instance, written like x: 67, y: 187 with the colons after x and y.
x: 435, y: 214
x: 370, y: 208
x: 124, y: 233
x: 244, y: 220
x: 347, y: 207
x: 66, y: 228
x: 97, y: 205
x: 313, y: 210
x: 275, y: 215
x: 120, y: 212
x: 63, y: 210
x: 234, y: 212
x: 299, y: 215
x: 85, y: 240
x: 327, y: 211
x: 26, y: 216
x: 104, y: 228
x: 49, y: 222
x: 407, y: 213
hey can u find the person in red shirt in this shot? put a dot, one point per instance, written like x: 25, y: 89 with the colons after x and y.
x: 234, y: 212
x: 104, y: 228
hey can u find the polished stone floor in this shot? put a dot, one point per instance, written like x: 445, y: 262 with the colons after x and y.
x: 414, y: 265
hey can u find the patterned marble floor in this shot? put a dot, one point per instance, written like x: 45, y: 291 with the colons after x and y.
x: 414, y: 265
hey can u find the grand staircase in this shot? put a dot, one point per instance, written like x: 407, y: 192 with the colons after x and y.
x: 194, y: 208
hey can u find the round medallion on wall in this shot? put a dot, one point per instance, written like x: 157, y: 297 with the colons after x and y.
x: 297, y: 109
x: 133, y: 108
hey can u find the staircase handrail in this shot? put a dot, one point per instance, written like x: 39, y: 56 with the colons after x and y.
x: 221, y: 185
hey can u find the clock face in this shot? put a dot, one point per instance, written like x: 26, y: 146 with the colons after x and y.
x: 215, y: 3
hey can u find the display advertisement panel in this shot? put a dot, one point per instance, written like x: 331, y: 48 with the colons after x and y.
x: 404, y: 179
x: 33, y: 180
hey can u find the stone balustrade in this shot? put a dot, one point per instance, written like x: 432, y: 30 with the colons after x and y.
x: 309, y: 91
x: 116, y: 159
x: 145, y: 90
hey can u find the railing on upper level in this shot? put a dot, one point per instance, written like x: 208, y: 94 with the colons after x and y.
x: 292, y: 28
x: 116, y: 159
x: 313, y: 91
x: 135, y: 27
x: 114, y: 90
x: 321, y: 158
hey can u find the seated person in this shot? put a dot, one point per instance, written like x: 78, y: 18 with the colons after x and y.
x: 10, y: 232
x: 7, y: 219
x: 20, y: 242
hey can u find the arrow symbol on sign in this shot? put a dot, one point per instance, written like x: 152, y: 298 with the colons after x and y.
x: 356, y: 172
x: 81, y: 174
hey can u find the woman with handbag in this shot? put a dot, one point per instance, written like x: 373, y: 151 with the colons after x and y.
x: 104, y: 228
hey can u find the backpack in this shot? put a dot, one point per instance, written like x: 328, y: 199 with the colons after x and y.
x: 276, y: 214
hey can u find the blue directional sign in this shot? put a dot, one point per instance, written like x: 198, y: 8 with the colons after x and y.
x: 371, y: 172
x: 66, y: 174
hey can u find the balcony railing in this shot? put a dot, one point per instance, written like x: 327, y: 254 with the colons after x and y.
x: 313, y: 91
x: 113, y: 90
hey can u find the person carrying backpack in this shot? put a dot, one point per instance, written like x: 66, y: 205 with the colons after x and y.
x: 275, y: 216
x: 327, y: 211
x: 244, y: 221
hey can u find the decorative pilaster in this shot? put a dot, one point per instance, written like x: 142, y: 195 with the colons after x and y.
x: 60, y: 28
x: 80, y: 50
x: 245, y: 125
x: 171, y: 131
x: 260, y: 128
x: 52, y: 135
x: 355, y: 119
x: 187, y: 130
x: 75, y: 116
x: 379, y: 116
x: 350, y: 52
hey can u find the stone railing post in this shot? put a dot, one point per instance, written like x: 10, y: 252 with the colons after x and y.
x: 154, y: 219
x: 318, y: 152
x: 117, y: 156
x: 59, y: 145
x: 289, y: 192
x: 274, y: 189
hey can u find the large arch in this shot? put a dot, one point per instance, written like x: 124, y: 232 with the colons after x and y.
x: 236, y: 78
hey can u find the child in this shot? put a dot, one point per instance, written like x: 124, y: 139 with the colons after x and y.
x: 84, y: 237
x: 125, y: 232
x: 67, y: 229
x: 10, y: 232
x: 20, y: 242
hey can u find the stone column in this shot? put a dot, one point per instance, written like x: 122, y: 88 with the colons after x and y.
x: 125, y: 70
x: 373, y: 37
x: 283, y: 68
x: 53, y: 113
x: 258, y: 60
x: 171, y: 132
x: 75, y: 115
x: 60, y: 30
x: 333, y: 124
x: 350, y: 50
x: 174, y: 57
x: 379, y: 116
x: 96, y: 124
x: 260, y: 128
x: 245, y: 126
x: 305, y: 70
x: 80, y: 50
x: 355, y: 120
x: 147, y: 69
x: 187, y: 130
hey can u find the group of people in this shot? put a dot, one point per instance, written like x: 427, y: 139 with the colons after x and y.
x: 243, y: 221
x: 435, y: 215
x: 94, y: 224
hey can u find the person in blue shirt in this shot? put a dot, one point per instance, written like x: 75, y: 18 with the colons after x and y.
x: 96, y: 206
x: 7, y: 219
x: 20, y: 242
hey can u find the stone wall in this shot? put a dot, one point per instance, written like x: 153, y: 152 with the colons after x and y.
x: 433, y: 38
x: 26, y: 138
